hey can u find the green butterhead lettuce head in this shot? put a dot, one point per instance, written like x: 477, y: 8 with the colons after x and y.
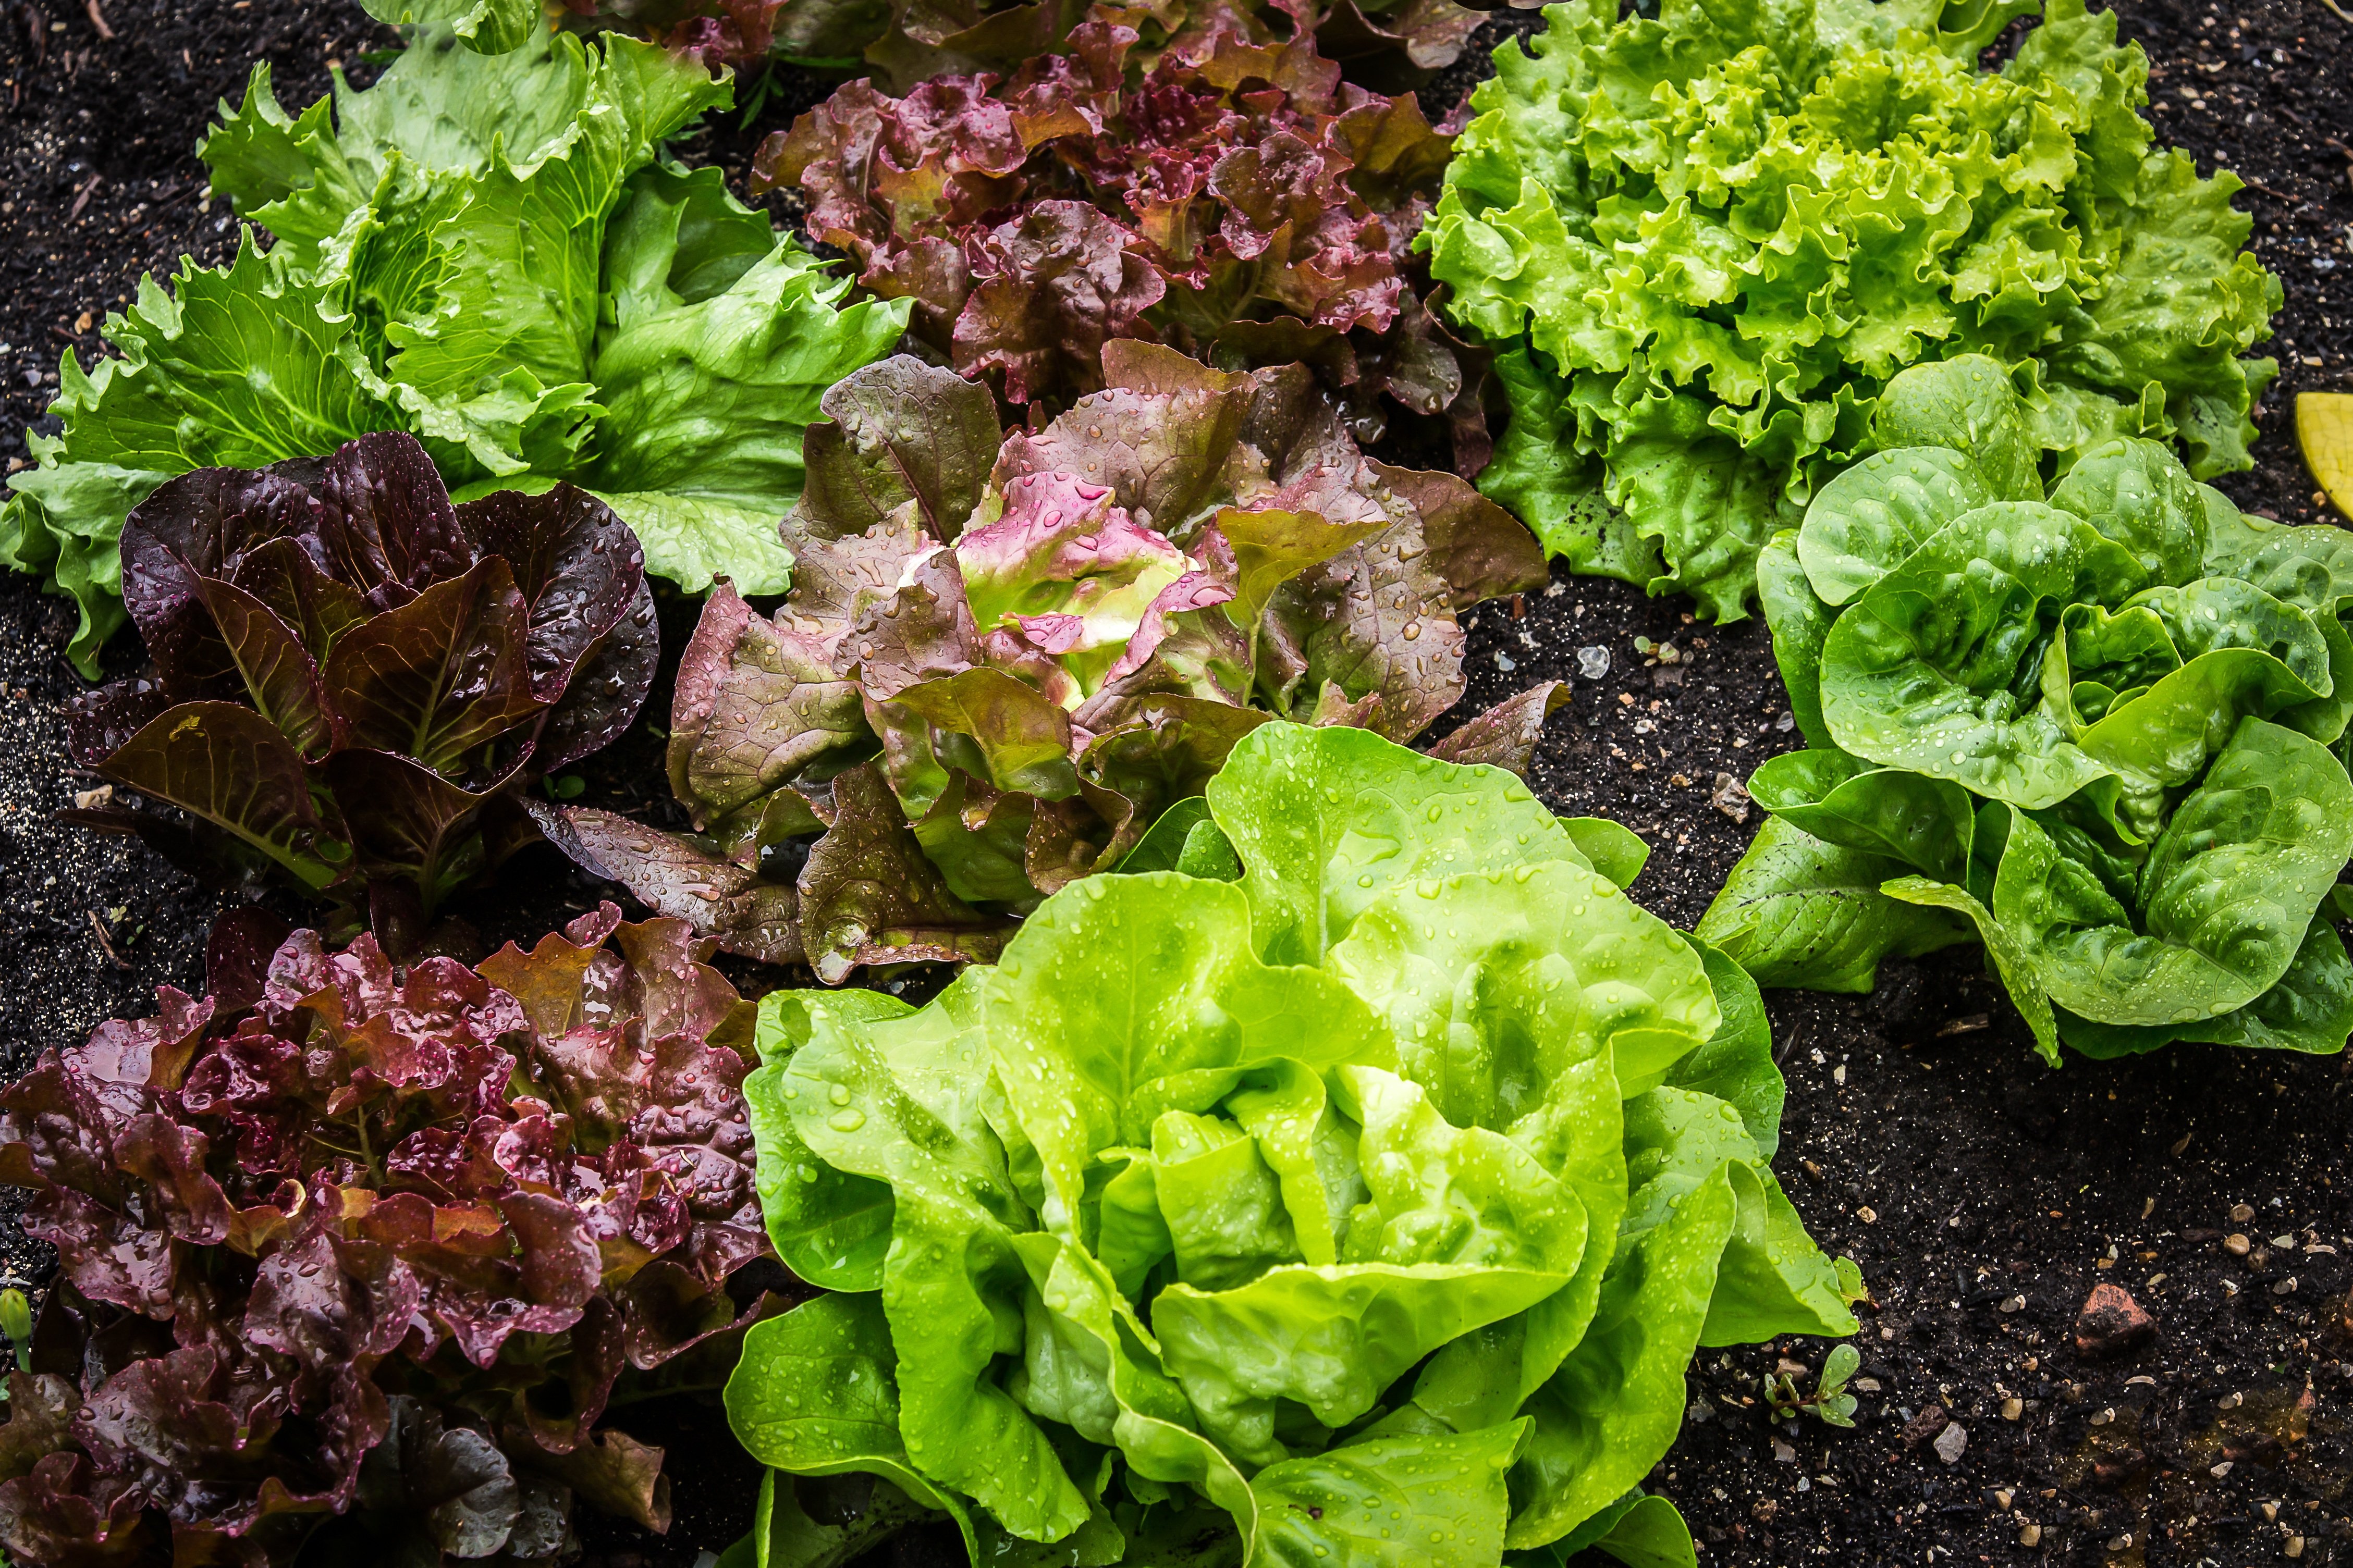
x: 485, y: 250
x: 1705, y: 244
x: 2103, y: 733
x: 1377, y: 1194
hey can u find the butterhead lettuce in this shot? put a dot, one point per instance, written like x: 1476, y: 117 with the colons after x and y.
x: 2102, y: 730
x: 1372, y: 1197
x: 1703, y: 244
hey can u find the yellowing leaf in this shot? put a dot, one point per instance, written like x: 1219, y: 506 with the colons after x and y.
x: 2324, y: 429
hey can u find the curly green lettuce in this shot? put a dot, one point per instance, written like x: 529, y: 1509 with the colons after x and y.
x: 1372, y: 1191
x: 2102, y: 732
x: 1703, y: 244
x: 488, y: 251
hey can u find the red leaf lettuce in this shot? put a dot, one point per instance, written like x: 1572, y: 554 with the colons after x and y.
x: 1231, y: 198
x: 1006, y: 657
x: 338, y: 1237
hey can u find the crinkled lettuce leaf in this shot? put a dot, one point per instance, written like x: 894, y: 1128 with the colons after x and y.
x: 1043, y: 640
x: 1705, y: 242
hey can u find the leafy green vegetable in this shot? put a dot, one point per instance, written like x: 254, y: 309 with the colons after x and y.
x: 485, y: 250
x: 1705, y: 243
x: 1378, y: 1196
x: 2105, y: 733
x: 373, y: 1266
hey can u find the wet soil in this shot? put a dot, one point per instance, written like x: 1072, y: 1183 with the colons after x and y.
x: 1983, y: 1195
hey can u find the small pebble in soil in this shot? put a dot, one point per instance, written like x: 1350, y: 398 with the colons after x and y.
x: 2112, y: 1321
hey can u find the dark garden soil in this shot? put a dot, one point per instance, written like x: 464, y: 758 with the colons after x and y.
x: 1983, y: 1195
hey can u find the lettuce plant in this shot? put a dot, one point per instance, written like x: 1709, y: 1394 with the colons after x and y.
x: 906, y: 42
x: 1377, y: 1195
x: 2102, y: 731
x: 485, y: 251
x: 353, y: 677
x: 1398, y: 42
x: 1006, y: 655
x: 1235, y: 200
x: 1703, y: 244
x: 337, y: 1240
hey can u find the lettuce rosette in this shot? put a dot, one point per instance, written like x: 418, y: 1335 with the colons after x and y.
x: 1703, y: 235
x: 1007, y: 654
x: 2102, y: 730
x: 1360, y: 1199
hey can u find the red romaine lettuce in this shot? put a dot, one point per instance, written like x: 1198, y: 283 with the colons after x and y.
x: 338, y: 1236
x: 1006, y: 657
x: 352, y: 677
x: 1232, y: 197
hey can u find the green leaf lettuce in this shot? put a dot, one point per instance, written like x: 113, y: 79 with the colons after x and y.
x: 1705, y: 243
x: 488, y: 251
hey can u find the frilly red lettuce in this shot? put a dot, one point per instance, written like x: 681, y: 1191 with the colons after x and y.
x: 1002, y: 660
x: 1229, y: 195
x: 342, y: 1239
x: 353, y: 677
x: 1389, y: 44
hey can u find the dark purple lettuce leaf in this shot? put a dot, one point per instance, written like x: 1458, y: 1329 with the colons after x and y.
x: 230, y: 767
x: 280, y: 676
x: 359, y: 1238
x: 1016, y: 666
x: 236, y: 954
x: 101, y: 722
x: 674, y: 876
x: 203, y: 523
x: 593, y: 644
x: 353, y: 675
x: 408, y: 825
x: 441, y: 675
x: 386, y: 525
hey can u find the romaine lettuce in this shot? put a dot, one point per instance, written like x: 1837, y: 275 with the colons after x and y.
x: 1373, y: 1198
